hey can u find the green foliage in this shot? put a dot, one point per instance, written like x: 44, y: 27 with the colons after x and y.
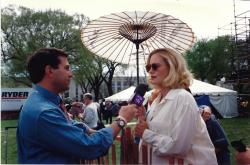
x: 210, y: 58
x: 236, y: 128
x: 25, y: 31
x: 82, y: 65
x: 90, y: 71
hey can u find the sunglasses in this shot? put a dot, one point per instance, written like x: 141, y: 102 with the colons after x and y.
x: 154, y: 67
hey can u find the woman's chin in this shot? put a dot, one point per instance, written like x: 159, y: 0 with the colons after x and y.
x: 153, y: 82
x: 150, y: 81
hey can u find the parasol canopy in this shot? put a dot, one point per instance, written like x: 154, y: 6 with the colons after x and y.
x: 129, y: 37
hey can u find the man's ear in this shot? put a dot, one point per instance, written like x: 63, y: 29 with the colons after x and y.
x: 48, y: 70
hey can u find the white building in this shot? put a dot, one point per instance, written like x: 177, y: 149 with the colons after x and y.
x: 123, y: 78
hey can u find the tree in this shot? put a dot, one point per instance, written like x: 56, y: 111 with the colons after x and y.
x: 88, y: 71
x: 25, y: 31
x: 108, y: 77
x: 211, y: 58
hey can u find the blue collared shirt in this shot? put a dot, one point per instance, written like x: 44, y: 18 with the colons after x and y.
x: 44, y: 134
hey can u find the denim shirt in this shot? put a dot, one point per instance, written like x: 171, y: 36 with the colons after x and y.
x: 46, y: 136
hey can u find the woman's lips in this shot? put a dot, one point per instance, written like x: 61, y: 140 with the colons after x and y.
x: 153, y: 77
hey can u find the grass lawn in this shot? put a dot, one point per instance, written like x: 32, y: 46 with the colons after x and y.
x: 236, y: 128
x: 11, y: 142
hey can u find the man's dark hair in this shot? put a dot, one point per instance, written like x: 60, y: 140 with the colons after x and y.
x: 41, y: 58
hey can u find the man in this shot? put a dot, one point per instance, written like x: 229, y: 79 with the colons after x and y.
x: 45, y: 134
x: 217, y: 135
x: 90, y: 115
x: 108, y: 111
x: 76, y: 109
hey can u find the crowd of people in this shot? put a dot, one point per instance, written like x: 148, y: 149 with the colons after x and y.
x: 90, y: 112
x: 172, y: 127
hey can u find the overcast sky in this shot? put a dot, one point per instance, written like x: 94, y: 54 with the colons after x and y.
x: 203, y: 16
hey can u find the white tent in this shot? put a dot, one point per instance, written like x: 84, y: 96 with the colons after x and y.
x: 122, y: 95
x: 224, y: 100
x: 203, y: 88
x: 126, y: 94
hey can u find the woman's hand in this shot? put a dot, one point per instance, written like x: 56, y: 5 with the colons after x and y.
x: 141, y: 113
x: 140, y: 128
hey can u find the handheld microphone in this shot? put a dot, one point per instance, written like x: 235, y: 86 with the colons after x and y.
x: 137, y: 98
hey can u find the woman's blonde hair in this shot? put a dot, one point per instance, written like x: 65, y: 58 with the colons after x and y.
x: 179, y: 76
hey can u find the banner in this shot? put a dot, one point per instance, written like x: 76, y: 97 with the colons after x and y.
x: 13, y: 98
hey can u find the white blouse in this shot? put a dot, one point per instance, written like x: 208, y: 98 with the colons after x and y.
x: 177, y: 133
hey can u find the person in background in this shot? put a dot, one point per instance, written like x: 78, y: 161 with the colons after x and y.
x: 68, y: 107
x: 115, y: 109
x: 90, y: 115
x: 76, y: 110
x: 98, y: 106
x: 243, y: 108
x: 102, y: 109
x: 108, y: 111
x: 45, y: 134
x: 217, y: 135
x: 172, y: 129
x: 243, y: 158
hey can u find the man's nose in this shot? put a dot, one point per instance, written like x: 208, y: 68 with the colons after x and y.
x: 70, y: 74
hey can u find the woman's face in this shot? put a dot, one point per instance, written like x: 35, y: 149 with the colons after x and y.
x: 158, y: 70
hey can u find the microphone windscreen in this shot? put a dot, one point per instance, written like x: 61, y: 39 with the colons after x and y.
x: 141, y: 89
x: 137, y: 98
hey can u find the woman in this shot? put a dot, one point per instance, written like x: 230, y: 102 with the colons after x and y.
x: 172, y: 129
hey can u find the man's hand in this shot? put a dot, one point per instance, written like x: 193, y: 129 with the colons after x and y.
x: 90, y: 131
x: 128, y: 112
